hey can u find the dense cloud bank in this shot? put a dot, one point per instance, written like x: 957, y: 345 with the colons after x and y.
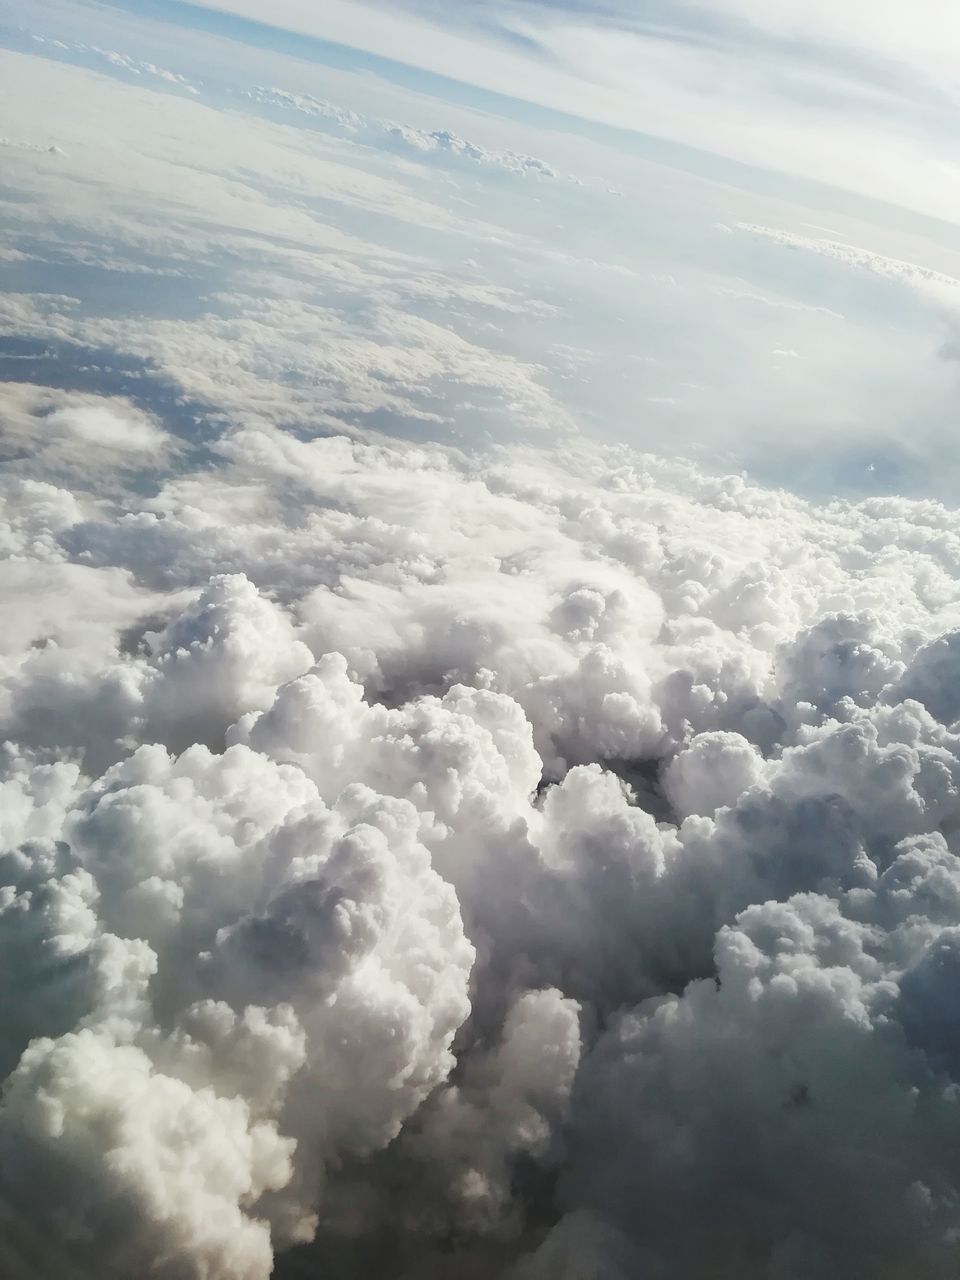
x: 526, y: 868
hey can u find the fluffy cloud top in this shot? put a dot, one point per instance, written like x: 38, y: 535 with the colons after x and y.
x: 390, y: 133
x: 547, y: 867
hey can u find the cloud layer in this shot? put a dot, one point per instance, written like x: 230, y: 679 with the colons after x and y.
x: 515, y: 868
x: 534, y: 862
x: 402, y: 136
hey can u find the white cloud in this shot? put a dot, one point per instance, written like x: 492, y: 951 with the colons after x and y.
x: 120, y: 62
x: 388, y: 132
x: 102, y: 428
x: 929, y: 284
x: 40, y: 148
x: 286, y: 361
x: 522, y: 863
x: 266, y: 940
x: 713, y: 771
x: 181, y: 1161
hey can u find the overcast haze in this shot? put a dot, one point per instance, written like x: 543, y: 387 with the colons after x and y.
x: 480, y: 766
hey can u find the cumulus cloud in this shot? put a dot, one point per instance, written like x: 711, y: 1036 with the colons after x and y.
x: 513, y: 867
x: 713, y: 771
x: 426, y: 864
x: 105, y: 429
x: 38, y: 147
x: 389, y: 133
x: 53, y: 435
x: 931, y: 285
x: 116, y: 61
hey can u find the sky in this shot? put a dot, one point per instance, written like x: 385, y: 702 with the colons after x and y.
x: 753, y: 82
x: 733, y: 231
x: 479, y: 730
